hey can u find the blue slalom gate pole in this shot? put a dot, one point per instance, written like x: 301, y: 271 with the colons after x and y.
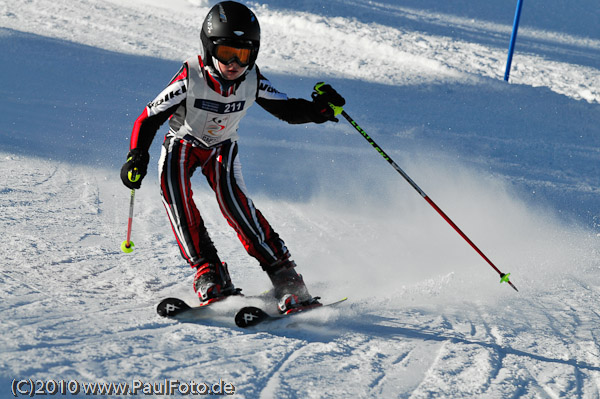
x: 513, y: 39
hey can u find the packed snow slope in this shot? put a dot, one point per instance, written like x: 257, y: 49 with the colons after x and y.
x: 515, y: 165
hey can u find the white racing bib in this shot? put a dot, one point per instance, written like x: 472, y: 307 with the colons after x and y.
x: 210, y: 117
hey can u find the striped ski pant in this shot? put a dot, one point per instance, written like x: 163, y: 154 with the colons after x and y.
x: 222, y: 169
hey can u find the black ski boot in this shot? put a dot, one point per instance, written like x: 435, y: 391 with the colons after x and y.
x: 290, y: 291
x: 212, y: 283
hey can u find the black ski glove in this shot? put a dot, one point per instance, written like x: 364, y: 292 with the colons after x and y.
x: 328, y: 102
x: 136, y: 167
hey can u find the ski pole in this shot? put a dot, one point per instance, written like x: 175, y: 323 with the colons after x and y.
x: 504, y: 277
x: 127, y: 245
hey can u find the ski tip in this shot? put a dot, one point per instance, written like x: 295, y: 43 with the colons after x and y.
x: 170, y: 307
x: 250, y: 316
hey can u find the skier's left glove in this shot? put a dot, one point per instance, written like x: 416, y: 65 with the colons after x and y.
x: 136, y: 167
x: 328, y: 102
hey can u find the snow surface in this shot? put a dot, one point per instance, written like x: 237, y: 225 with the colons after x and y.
x: 515, y: 165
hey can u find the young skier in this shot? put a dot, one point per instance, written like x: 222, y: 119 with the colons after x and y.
x: 204, y: 103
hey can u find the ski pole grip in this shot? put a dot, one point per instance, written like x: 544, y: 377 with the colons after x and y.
x: 318, y: 92
x: 133, y: 175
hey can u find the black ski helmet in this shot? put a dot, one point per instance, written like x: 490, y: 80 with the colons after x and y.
x: 232, y: 24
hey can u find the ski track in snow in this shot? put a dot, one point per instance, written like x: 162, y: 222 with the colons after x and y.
x: 423, y: 321
x: 537, y: 344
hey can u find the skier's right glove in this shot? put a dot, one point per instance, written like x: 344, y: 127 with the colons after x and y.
x: 136, y: 167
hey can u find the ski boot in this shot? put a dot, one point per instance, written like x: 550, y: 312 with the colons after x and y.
x: 290, y: 291
x: 212, y: 283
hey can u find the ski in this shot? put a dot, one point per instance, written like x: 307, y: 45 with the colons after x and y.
x: 251, y: 316
x: 173, y: 307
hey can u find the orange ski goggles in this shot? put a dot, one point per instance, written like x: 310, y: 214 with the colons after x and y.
x: 228, y: 54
